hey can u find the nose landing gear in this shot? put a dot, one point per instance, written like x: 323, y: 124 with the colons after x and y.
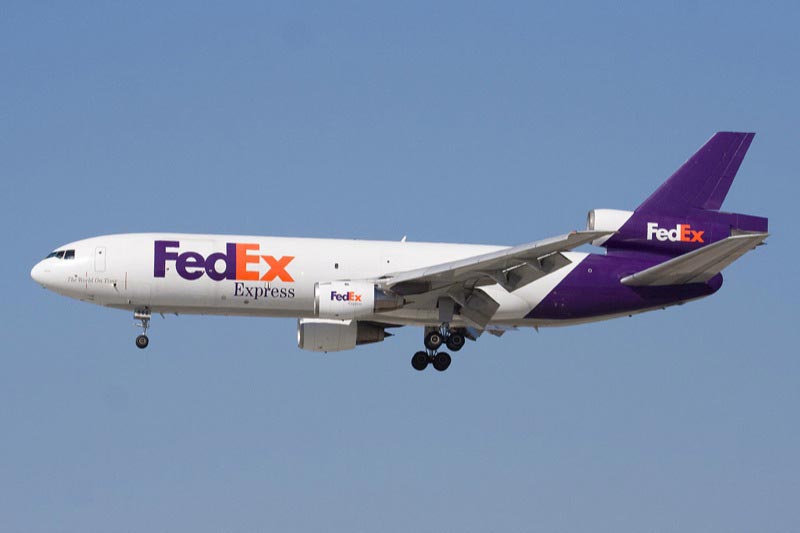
x: 452, y: 338
x: 142, y: 316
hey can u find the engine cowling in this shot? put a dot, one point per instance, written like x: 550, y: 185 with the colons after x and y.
x: 345, y: 300
x: 326, y: 335
x: 606, y: 220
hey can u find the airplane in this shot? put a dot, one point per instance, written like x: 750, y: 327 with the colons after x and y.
x: 344, y: 293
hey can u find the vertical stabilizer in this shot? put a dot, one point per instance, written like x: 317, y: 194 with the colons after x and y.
x: 683, y: 215
x: 703, y: 181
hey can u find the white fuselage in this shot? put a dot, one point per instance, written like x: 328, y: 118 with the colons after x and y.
x: 258, y: 276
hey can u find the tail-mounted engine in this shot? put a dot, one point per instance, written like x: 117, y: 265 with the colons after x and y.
x: 606, y: 220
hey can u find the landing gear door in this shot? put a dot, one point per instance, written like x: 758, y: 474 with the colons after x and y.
x: 100, y: 259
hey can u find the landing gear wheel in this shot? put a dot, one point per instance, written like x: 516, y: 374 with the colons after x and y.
x: 143, y: 321
x: 420, y: 361
x: 433, y: 340
x: 142, y: 341
x: 455, y: 341
x: 441, y: 361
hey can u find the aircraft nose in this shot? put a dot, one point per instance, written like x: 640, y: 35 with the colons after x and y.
x: 38, y: 273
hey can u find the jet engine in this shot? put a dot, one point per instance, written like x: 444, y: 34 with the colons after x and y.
x: 606, y: 220
x: 344, y: 300
x: 325, y: 335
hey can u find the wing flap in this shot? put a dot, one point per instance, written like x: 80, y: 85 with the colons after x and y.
x: 699, y: 265
x: 477, y: 308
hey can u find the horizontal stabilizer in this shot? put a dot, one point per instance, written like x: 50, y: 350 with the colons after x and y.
x: 699, y: 265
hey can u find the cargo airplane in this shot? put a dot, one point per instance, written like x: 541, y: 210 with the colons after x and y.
x: 669, y: 250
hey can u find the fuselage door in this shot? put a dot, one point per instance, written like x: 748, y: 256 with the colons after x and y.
x: 100, y: 259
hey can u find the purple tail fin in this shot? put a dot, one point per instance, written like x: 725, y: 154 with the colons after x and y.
x: 703, y: 181
x: 683, y: 214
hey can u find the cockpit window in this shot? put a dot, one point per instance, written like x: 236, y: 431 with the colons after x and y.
x: 62, y: 254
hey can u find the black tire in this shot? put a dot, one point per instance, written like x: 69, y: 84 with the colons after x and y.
x: 433, y: 340
x: 420, y: 361
x: 455, y: 342
x: 441, y: 361
x: 142, y: 341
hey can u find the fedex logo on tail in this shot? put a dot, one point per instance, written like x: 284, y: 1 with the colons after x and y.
x: 680, y: 233
x: 345, y: 297
x: 239, y: 261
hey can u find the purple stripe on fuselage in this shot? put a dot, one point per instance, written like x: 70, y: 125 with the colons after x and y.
x: 593, y: 289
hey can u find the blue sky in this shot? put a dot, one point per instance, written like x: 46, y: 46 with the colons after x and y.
x: 462, y: 122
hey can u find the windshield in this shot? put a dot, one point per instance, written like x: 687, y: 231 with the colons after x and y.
x: 62, y: 254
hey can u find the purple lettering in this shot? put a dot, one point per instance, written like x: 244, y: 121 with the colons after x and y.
x: 161, y: 256
x: 189, y: 260
x: 229, y: 258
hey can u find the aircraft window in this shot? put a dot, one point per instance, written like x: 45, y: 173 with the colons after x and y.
x: 62, y: 254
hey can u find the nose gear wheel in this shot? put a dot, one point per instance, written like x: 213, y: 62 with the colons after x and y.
x: 142, y: 317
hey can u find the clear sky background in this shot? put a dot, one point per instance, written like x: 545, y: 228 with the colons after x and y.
x: 463, y: 122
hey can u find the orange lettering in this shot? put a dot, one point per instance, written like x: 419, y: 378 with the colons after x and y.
x: 277, y: 268
x: 685, y: 231
x: 242, y: 260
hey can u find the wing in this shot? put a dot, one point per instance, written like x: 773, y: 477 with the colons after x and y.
x: 699, y: 265
x: 511, y: 268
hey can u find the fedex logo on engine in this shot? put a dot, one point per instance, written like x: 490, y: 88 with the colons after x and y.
x: 345, y: 297
x: 680, y: 233
x: 239, y: 261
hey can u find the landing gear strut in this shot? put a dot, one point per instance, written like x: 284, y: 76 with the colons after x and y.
x: 434, y: 338
x: 143, y: 321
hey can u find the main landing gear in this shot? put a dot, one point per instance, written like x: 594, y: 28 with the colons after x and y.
x: 143, y: 321
x: 434, y: 338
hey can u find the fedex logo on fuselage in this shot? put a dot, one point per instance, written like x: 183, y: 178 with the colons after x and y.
x: 345, y: 297
x: 680, y: 233
x: 239, y: 261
